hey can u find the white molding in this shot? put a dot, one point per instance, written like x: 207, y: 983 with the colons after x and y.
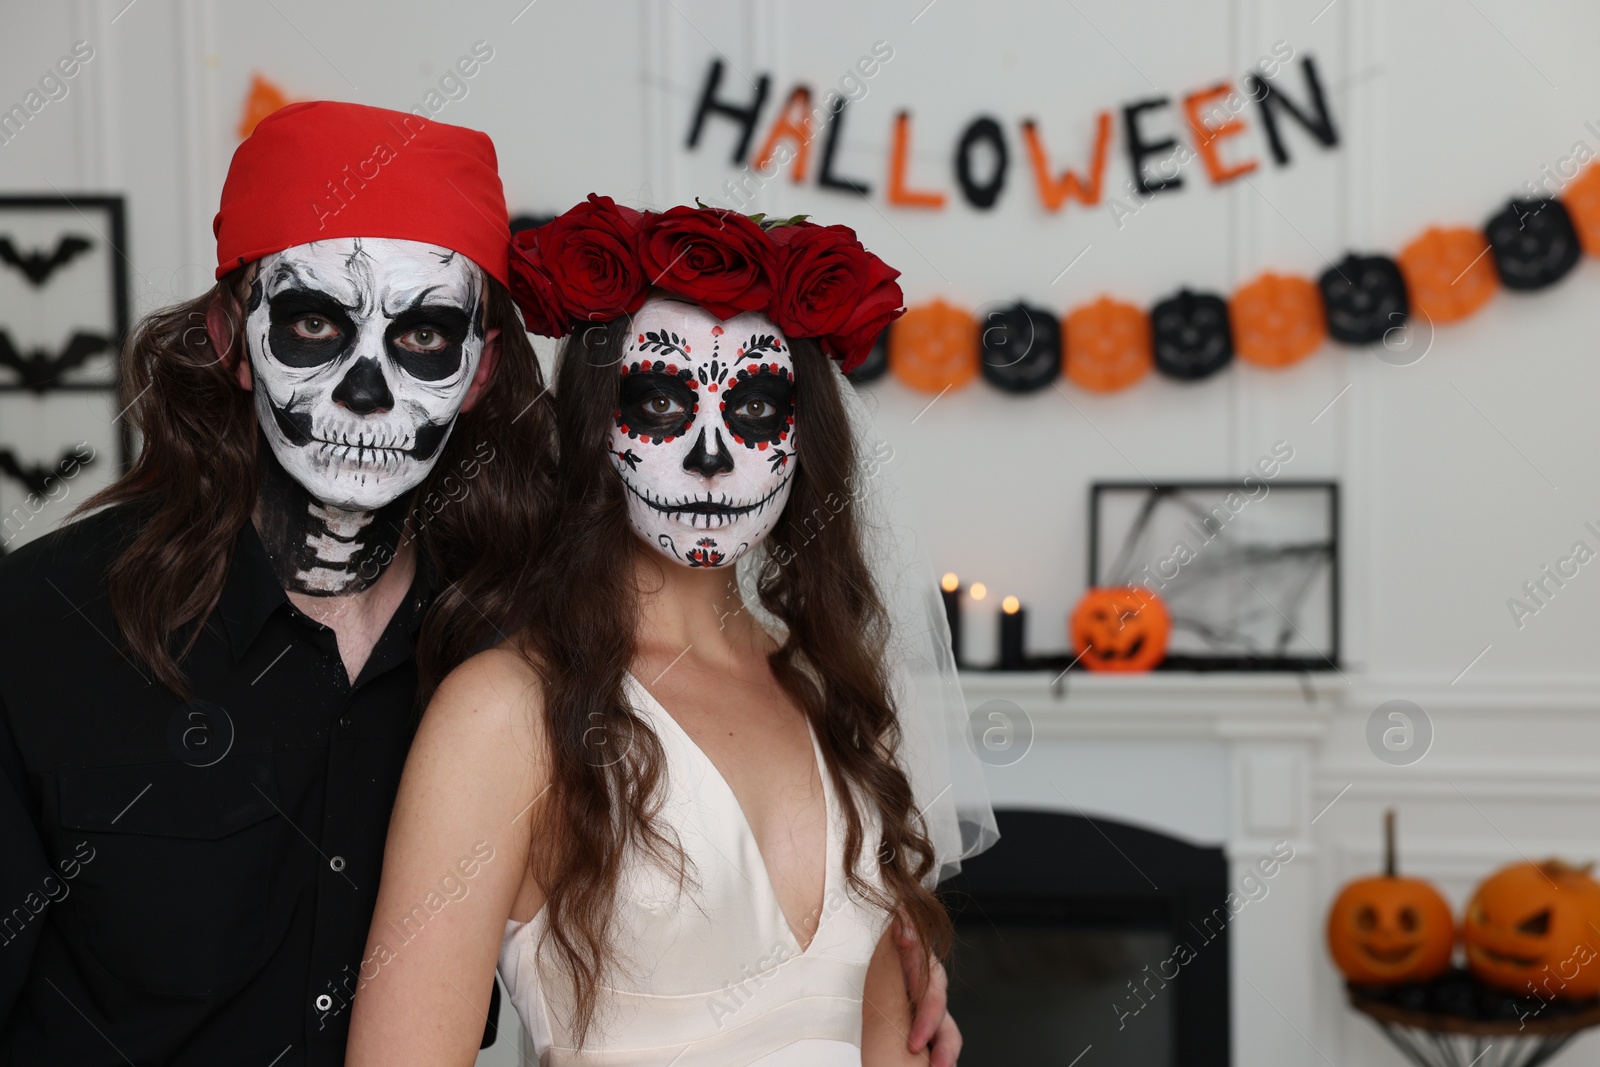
x: 1165, y: 706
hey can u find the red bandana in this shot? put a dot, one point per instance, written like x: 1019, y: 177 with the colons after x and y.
x: 321, y: 170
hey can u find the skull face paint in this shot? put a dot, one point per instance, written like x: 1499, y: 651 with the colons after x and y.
x: 703, y: 435
x: 362, y: 351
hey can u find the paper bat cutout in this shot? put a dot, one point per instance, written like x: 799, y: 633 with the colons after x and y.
x: 39, y: 369
x: 36, y: 266
x: 36, y: 476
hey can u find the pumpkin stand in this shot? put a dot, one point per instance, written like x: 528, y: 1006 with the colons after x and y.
x: 1456, y: 1018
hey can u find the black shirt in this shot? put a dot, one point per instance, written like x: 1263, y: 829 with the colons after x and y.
x: 187, y: 883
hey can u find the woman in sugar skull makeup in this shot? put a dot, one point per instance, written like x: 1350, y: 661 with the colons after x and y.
x: 715, y: 795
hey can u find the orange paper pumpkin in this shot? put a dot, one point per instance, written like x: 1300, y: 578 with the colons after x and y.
x: 1449, y: 273
x: 1530, y: 930
x: 1277, y: 320
x: 1120, y: 628
x: 1108, y: 345
x: 1385, y: 929
x: 934, y: 347
x: 1582, y: 198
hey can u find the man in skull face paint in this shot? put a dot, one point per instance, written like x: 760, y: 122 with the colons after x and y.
x: 209, y: 687
x: 362, y: 353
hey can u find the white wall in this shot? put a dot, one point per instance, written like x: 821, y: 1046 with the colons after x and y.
x: 1463, y: 474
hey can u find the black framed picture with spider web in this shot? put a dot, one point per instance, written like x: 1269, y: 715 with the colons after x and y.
x: 1248, y: 569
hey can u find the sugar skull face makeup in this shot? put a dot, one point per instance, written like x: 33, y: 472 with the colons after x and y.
x: 362, y: 351
x: 704, y: 431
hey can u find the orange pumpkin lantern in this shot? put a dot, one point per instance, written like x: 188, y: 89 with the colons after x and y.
x: 1449, y: 273
x: 1386, y: 930
x: 934, y: 347
x: 1531, y: 929
x: 1582, y: 199
x: 1108, y: 345
x: 1120, y: 628
x: 1277, y: 320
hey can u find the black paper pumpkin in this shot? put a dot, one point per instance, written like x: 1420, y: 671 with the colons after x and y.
x: 1191, y: 334
x: 1363, y: 297
x: 876, y: 365
x: 1021, y: 347
x: 1534, y: 243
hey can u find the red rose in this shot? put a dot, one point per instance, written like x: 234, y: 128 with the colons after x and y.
x: 851, y: 345
x: 822, y: 277
x: 592, y: 254
x: 834, y: 289
x: 532, y: 287
x: 719, y: 259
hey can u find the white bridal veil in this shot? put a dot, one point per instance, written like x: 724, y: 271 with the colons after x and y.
x: 936, y: 753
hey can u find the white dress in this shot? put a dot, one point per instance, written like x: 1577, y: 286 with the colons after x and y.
x: 712, y: 976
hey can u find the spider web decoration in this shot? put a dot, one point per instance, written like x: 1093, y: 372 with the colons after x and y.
x: 1248, y: 572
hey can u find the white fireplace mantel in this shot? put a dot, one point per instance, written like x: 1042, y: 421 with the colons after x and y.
x: 1225, y: 759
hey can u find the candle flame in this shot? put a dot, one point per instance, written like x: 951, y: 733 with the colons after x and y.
x: 979, y: 590
x: 950, y: 583
x: 1010, y: 605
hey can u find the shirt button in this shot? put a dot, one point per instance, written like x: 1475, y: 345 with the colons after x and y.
x: 337, y: 863
x: 344, y: 722
x: 324, y: 1002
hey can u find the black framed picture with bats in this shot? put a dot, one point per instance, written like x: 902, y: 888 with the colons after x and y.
x: 64, y: 311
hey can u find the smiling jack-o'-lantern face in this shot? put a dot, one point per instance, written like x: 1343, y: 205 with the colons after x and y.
x: 1364, y: 297
x: 1120, y: 628
x: 1192, y: 337
x: 1534, y: 928
x: 934, y: 347
x: 1108, y: 345
x: 1534, y: 243
x: 1386, y: 930
x: 1277, y: 320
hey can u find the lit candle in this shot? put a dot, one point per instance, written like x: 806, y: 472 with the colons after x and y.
x: 1013, y: 621
x: 950, y: 590
x: 978, y: 640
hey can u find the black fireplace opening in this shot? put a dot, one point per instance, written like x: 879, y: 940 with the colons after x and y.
x: 1076, y: 934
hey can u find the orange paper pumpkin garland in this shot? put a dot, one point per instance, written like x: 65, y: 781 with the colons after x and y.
x: 1277, y: 320
x: 934, y: 347
x: 1449, y: 273
x: 1108, y: 345
x: 1120, y: 628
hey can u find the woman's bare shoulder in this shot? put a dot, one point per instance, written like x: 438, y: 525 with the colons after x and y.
x: 486, y: 716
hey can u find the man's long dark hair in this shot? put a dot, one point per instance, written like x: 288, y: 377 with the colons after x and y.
x: 607, y: 767
x: 476, y: 518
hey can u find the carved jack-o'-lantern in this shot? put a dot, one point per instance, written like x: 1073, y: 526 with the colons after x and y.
x: 1530, y: 929
x: 1448, y: 275
x: 1108, y: 345
x: 1190, y: 335
x: 1120, y: 628
x: 934, y: 347
x: 1385, y: 930
x: 1277, y: 320
x: 1021, y: 348
x: 1363, y: 297
x: 1582, y: 197
x: 876, y: 365
x: 1534, y: 243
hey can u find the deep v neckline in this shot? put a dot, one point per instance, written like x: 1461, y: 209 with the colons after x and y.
x: 821, y: 910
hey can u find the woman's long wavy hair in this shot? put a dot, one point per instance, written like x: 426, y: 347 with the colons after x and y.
x: 606, y: 783
x: 476, y: 518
